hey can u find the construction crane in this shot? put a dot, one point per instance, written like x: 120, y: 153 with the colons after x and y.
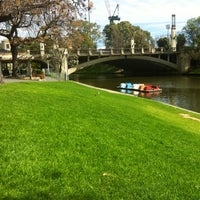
x: 115, y: 16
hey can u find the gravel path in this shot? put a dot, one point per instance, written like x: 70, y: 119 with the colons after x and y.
x: 10, y: 80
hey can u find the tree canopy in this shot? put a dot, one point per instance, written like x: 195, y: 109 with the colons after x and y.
x: 180, y: 41
x: 83, y: 34
x: 120, y: 36
x: 164, y: 42
x: 23, y: 20
x: 37, y: 17
x: 192, y: 32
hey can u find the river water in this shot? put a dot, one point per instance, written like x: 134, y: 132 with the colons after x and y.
x: 181, y: 91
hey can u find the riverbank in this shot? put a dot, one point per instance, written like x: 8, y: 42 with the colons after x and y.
x: 62, y: 140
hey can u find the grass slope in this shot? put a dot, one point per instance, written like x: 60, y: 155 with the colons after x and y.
x: 66, y: 141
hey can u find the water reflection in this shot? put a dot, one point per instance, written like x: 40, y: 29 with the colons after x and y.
x: 148, y: 95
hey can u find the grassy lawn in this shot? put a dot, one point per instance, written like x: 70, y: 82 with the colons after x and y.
x: 61, y: 140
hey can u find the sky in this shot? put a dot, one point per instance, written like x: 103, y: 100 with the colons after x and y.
x: 150, y: 15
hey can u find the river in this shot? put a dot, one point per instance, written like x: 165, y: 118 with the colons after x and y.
x: 181, y: 91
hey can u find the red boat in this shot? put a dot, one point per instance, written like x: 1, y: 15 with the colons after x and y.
x: 150, y: 88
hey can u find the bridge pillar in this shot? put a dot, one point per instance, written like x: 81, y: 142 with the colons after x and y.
x: 90, y: 51
x: 111, y: 51
x: 28, y: 67
x: 183, y: 62
x: 78, y: 52
x: 65, y: 65
x: 1, y: 75
x: 100, y: 52
x: 153, y: 50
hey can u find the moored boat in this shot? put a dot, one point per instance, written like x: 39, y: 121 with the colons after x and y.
x: 141, y: 87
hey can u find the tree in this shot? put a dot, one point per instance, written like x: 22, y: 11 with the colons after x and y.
x: 78, y: 34
x: 180, y: 41
x: 111, y: 35
x: 164, y: 42
x: 91, y: 34
x: 21, y: 21
x: 192, y: 32
x: 83, y: 34
x: 120, y: 36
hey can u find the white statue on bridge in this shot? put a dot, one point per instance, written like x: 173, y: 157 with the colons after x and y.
x: 132, y: 45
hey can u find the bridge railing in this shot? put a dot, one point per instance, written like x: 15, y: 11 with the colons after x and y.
x: 88, y: 52
x: 7, y: 55
x: 116, y: 51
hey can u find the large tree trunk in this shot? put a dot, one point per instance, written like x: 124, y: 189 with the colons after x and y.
x: 14, y: 52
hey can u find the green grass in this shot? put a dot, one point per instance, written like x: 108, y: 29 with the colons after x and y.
x: 64, y: 141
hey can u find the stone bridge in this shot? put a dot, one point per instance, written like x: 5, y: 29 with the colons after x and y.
x: 176, y: 61
x: 154, y: 55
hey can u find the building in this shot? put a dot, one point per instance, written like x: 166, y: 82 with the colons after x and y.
x: 5, y: 45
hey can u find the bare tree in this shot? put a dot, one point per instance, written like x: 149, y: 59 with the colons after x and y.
x: 22, y: 21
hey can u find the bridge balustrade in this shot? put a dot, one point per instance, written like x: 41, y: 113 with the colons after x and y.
x: 22, y: 55
x: 88, y: 52
x: 116, y: 51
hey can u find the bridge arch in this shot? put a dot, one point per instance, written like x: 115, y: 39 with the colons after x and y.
x: 159, y: 61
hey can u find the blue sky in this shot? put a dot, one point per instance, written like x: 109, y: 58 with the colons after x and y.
x: 150, y: 15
